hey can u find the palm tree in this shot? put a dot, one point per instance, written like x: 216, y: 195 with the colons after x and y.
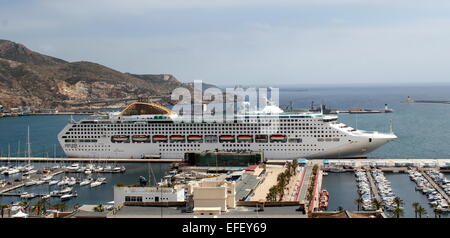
x: 377, y: 204
x: 398, y: 212
x: 294, y: 165
x: 24, y: 204
x: 3, y: 207
x: 421, y: 211
x: 41, y: 205
x: 272, y: 195
x: 281, y: 177
x: 434, y: 206
x: 99, y: 208
x: 398, y: 201
x: 438, y: 212
x: 416, y: 206
x: 358, y: 202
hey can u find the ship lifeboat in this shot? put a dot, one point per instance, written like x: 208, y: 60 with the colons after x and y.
x: 120, y: 138
x: 277, y: 137
x: 245, y: 138
x: 176, y: 138
x: 261, y: 137
x: 195, y: 138
x: 160, y: 138
x: 140, y: 138
x: 226, y: 138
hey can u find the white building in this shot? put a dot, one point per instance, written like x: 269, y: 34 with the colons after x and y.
x: 147, y: 194
x: 213, y: 195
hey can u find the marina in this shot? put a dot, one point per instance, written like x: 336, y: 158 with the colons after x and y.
x: 425, y: 186
x: 330, y: 187
x: 46, y: 175
x: 87, y: 191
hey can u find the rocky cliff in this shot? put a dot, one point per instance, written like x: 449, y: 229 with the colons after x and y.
x: 28, y: 78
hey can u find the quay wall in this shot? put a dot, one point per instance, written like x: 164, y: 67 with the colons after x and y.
x: 41, y: 159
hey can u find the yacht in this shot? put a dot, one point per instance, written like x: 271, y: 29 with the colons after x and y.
x: 68, y: 196
x: 86, y: 181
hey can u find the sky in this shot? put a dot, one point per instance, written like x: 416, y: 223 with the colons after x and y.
x: 246, y: 42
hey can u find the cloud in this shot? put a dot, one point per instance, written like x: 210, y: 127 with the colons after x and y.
x: 243, y: 41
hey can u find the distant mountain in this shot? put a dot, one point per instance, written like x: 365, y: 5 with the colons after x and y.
x: 28, y: 78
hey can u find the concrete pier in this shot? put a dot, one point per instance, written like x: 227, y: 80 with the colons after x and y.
x: 19, y: 194
x: 435, y: 185
x: 304, y: 185
x: 87, y: 160
x: 373, y: 186
x: 15, y: 185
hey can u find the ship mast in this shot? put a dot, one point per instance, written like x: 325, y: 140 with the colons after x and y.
x: 28, y: 143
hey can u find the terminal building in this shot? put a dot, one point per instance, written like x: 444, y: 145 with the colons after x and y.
x: 213, y: 158
x: 147, y: 194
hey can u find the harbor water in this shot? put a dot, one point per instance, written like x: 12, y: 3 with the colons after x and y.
x: 422, y: 131
x: 342, y: 189
x: 404, y: 188
x: 343, y: 192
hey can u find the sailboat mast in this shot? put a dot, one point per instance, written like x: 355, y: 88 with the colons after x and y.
x: 28, y: 143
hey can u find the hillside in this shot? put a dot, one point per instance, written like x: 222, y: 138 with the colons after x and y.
x: 28, y: 78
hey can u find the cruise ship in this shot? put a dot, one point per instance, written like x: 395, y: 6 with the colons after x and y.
x: 144, y: 130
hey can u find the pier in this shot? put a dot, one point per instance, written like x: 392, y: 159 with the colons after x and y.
x: 373, y: 186
x: 314, y: 204
x: 435, y: 185
x: 87, y: 160
x: 19, y: 194
x: 304, y: 184
x: 15, y: 185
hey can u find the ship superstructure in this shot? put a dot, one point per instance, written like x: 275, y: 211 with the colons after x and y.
x: 146, y: 129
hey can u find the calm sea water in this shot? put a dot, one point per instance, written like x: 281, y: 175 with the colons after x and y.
x: 342, y: 189
x: 423, y: 131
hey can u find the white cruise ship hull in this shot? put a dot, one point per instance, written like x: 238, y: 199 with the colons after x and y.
x: 307, y: 135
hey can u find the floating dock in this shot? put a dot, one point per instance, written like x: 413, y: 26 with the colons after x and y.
x: 373, y: 186
x: 15, y: 185
x: 435, y: 185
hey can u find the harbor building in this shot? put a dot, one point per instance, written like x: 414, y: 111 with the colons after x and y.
x: 147, y: 194
x: 223, y: 158
x: 213, y: 195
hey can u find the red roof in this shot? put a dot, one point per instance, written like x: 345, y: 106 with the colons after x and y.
x: 251, y: 168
